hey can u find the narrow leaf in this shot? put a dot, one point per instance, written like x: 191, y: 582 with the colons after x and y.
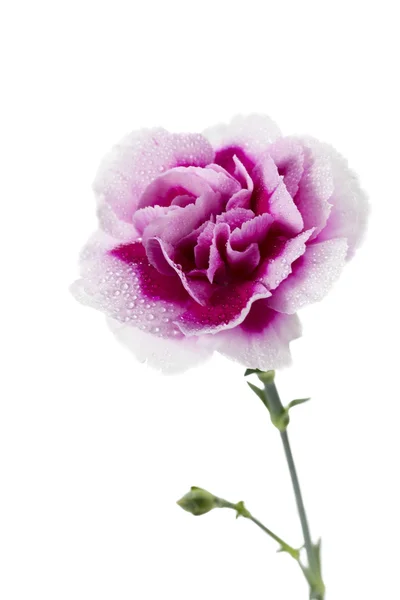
x: 298, y: 401
x: 251, y: 372
x: 257, y: 390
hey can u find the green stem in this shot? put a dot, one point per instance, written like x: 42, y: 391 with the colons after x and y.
x: 285, y: 547
x: 243, y: 512
x: 314, y: 571
x: 299, y: 501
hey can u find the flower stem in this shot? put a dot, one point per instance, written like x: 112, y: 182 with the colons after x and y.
x: 243, y: 512
x: 299, y: 500
x: 285, y: 547
x: 313, y: 573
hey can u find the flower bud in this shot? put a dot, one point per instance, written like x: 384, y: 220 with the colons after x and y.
x: 198, y: 501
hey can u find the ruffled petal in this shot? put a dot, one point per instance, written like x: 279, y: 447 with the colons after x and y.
x: 113, y: 226
x: 288, y: 156
x: 144, y: 216
x: 226, y: 308
x: 187, y: 181
x: 271, y: 196
x: 235, y: 217
x: 262, y: 340
x: 216, y: 271
x: 139, y: 158
x: 202, y: 248
x: 251, y: 231
x: 243, y: 262
x: 218, y: 179
x: 312, y: 277
x: 278, y: 266
x: 159, y: 257
x: 179, y: 223
x: 169, y: 355
x: 245, y: 137
x: 350, y: 209
x: 120, y: 282
x: 315, y: 187
x: 175, y: 182
x: 242, y: 198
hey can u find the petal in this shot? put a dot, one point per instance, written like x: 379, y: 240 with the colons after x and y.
x: 349, y: 212
x: 242, y: 198
x: 157, y: 253
x: 218, y: 179
x: 245, y: 136
x: 262, y: 340
x: 179, y: 223
x: 226, y: 308
x: 118, y: 281
x: 128, y: 169
x: 288, y: 156
x: 113, y: 226
x: 217, y: 270
x: 271, y: 196
x: 175, y: 182
x: 242, y: 174
x: 236, y: 217
x: 315, y: 187
x: 145, y: 216
x: 182, y: 200
x: 278, y: 266
x: 243, y: 262
x: 169, y: 355
x: 312, y: 277
x: 252, y: 231
x: 202, y: 248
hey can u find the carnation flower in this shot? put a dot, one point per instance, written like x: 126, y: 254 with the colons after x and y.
x: 213, y: 242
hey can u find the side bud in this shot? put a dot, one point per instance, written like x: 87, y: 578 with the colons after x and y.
x: 199, y: 501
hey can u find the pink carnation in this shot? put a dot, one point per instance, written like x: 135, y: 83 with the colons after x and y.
x: 213, y: 242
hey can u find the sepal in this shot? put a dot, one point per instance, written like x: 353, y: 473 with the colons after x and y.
x: 198, y: 501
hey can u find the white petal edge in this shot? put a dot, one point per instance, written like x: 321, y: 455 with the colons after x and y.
x: 268, y: 350
x: 164, y: 354
x: 321, y: 266
x: 253, y: 133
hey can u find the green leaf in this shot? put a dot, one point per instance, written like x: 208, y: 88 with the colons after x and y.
x: 298, y: 401
x: 258, y: 392
x: 317, y: 551
x: 251, y: 372
x: 294, y: 552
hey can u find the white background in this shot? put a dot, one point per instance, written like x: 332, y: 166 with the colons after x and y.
x: 94, y: 447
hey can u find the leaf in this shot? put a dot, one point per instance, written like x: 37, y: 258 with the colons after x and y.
x: 298, y: 401
x: 251, y: 372
x: 258, y: 392
x: 293, y: 552
x: 317, y: 551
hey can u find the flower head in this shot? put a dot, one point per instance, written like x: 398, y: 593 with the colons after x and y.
x: 213, y: 242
